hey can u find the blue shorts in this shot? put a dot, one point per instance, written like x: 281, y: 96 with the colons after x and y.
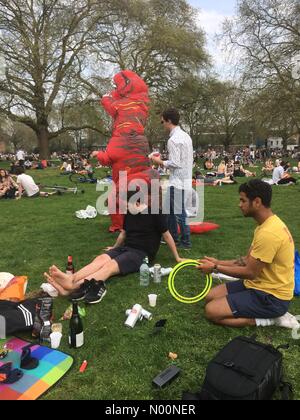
x: 254, y: 304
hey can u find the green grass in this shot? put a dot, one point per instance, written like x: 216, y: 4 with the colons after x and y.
x: 122, y: 363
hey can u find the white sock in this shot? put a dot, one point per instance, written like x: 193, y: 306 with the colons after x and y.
x: 264, y: 322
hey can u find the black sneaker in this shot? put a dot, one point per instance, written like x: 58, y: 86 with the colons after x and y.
x: 96, y: 293
x: 80, y: 294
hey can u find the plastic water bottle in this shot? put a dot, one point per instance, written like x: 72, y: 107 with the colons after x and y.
x: 145, y: 273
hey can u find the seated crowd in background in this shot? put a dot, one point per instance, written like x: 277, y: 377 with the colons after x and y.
x: 8, y: 187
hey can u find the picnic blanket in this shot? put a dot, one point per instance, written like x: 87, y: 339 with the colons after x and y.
x: 53, y: 365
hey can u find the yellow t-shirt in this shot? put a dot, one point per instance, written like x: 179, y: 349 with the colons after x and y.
x: 273, y: 244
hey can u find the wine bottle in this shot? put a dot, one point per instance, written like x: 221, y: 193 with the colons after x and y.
x: 76, y: 337
x: 70, y: 267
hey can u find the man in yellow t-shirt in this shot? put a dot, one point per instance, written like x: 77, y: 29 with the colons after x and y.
x: 262, y: 298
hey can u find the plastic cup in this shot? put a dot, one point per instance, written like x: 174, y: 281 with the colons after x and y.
x: 55, y: 338
x: 152, y: 300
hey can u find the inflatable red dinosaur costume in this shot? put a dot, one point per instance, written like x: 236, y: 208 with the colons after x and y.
x: 128, y: 149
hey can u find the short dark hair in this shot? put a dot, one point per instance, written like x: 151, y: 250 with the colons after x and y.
x: 256, y: 188
x: 20, y: 170
x: 171, y: 115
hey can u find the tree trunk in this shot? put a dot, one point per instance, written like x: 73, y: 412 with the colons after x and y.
x: 43, y: 142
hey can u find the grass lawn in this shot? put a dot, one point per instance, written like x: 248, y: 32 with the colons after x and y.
x: 122, y: 363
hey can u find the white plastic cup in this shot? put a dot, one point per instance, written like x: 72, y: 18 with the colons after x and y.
x: 152, y: 300
x: 55, y: 338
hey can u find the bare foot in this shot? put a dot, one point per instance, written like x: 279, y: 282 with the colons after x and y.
x: 61, y: 278
x: 58, y: 287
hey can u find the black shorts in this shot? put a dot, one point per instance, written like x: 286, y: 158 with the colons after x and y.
x: 254, y: 304
x: 129, y: 260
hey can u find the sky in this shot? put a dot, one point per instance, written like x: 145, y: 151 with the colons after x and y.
x: 211, y: 15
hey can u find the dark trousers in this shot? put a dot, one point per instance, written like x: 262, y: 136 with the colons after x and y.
x: 287, y: 181
x: 178, y: 216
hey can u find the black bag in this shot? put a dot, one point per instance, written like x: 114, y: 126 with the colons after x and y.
x: 244, y: 370
x: 16, y: 317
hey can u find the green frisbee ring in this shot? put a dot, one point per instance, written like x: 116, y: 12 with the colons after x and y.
x: 183, y: 299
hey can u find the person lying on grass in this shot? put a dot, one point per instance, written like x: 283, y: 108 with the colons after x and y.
x: 263, y: 297
x: 140, y: 238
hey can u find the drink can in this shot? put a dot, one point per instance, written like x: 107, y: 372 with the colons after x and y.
x: 147, y: 315
x: 134, y: 316
x: 157, y: 274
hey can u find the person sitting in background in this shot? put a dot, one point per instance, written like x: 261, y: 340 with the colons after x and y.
x: 297, y: 168
x: 63, y: 167
x: 87, y: 169
x: 239, y: 171
x: 28, y: 164
x: 70, y: 167
x: 13, y: 168
x: 281, y: 177
x: 8, y: 186
x: 27, y: 187
x: 221, y: 173
x: 230, y: 168
x: 208, y: 165
x: 268, y: 168
x: 228, y: 180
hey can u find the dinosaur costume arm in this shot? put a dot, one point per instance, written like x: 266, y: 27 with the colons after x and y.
x: 104, y: 159
x: 107, y: 102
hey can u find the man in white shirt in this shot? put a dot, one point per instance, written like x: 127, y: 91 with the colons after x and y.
x: 281, y: 177
x: 180, y: 165
x: 20, y: 156
x: 27, y: 186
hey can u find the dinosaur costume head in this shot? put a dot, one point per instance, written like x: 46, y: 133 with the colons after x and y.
x: 129, y: 84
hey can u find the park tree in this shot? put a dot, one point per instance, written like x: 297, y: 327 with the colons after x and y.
x: 194, y: 97
x: 16, y: 135
x: 271, y: 114
x: 227, y: 114
x: 51, y: 49
x: 42, y: 45
x: 266, y: 36
x: 159, y: 40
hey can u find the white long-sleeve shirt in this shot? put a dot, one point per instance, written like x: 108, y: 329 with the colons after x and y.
x: 181, y: 158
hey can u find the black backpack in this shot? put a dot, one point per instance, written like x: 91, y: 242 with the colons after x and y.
x: 244, y: 370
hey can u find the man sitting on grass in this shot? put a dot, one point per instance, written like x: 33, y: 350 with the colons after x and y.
x: 140, y: 238
x: 263, y: 297
x: 27, y: 187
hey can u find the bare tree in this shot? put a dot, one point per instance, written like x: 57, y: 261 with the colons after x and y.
x: 159, y: 40
x: 43, y: 44
x: 267, y: 35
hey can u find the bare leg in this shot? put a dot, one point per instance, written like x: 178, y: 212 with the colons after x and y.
x: 219, y: 312
x: 237, y: 322
x: 89, y: 270
x: 217, y: 293
x: 61, y: 290
x: 109, y: 270
x: 85, y: 273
